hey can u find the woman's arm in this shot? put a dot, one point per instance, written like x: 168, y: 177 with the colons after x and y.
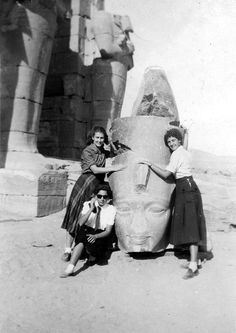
x: 103, y: 234
x: 185, y: 139
x: 84, y: 218
x: 159, y: 171
x: 98, y: 170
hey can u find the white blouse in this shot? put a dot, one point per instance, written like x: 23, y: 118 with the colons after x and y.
x: 107, y: 216
x: 180, y: 163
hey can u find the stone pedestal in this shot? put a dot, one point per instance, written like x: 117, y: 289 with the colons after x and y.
x: 32, y: 193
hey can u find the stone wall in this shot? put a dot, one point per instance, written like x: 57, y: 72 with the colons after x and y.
x: 84, y: 87
x: 65, y: 115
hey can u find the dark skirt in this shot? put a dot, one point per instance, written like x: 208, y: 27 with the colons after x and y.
x: 188, y: 221
x: 82, y: 191
x: 96, y: 249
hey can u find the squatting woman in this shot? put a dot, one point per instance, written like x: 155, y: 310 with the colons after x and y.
x: 93, y: 160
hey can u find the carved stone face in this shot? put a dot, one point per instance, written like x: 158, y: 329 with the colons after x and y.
x: 141, y: 223
x: 141, y: 197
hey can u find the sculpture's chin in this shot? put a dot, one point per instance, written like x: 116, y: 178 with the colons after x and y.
x: 137, y: 243
x: 142, y: 243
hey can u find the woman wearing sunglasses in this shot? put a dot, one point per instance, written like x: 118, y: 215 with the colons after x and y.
x: 96, y: 221
x: 93, y: 161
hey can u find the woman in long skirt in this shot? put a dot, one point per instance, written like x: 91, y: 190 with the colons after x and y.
x: 188, y: 221
x: 93, y: 160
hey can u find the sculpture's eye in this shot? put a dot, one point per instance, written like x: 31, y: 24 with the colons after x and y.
x: 124, y: 208
x: 153, y: 209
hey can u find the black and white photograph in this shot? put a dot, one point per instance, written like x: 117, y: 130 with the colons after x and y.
x: 117, y: 166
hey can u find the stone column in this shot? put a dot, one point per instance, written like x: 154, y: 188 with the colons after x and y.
x: 26, y: 36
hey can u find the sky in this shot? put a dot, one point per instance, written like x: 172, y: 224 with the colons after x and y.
x: 194, y: 42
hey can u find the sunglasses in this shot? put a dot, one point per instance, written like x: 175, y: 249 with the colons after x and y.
x: 100, y: 196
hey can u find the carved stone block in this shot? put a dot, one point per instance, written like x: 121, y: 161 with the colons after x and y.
x: 31, y: 194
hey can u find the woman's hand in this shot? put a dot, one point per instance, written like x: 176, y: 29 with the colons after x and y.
x: 184, y: 128
x: 118, y: 167
x: 92, y: 238
x: 149, y: 163
x: 92, y: 203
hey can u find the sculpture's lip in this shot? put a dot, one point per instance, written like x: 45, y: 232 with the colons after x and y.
x: 138, y: 239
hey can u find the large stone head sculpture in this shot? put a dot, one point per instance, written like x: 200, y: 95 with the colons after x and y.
x: 141, y: 197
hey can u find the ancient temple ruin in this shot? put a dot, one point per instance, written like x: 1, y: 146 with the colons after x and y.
x: 63, y: 68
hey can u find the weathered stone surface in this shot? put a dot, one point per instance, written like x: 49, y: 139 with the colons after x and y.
x: 25, y: 53
x: 73, y: 85
x: 155, y: 96
x: 66, y: 108
x: 66, y: 63
x: 104, y: 112
x: 31, y: 194
x: 141, y: 197
x: 54, y: 85
x: 109, y: 81
x: 23, y: 88
x: 101, y: 83
x: 82, y: 8
x: 111, y: 38
x: 17, y: 141
x: 22, y: 161
x: 58, y: 138
x: 25, y: 117
x: 31, y: 49
x: 70, y: 153
x: 61, y: 44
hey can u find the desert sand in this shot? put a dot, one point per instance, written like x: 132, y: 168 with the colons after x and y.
x: 129, y: 294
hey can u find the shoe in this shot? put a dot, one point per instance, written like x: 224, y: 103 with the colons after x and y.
x: 190, y: 274
x: 186, y: 266
x: 66, y: 256
x: 65, y: 275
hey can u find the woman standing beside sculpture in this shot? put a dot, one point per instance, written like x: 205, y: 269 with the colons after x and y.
x: 93, y: 160
x: 188, y: 221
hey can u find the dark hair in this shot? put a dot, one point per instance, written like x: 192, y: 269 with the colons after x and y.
x: 175, y: 133
x: 96, y: 129
x: 104, y: 187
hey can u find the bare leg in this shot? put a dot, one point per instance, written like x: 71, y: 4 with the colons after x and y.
x: 78, y: 249
x: 67, y: 252
x: 192, y: 268
x: 193, y: 253
x: 69, y: 240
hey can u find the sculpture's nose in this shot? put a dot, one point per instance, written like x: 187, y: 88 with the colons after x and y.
x: 138, y: 224
x: 138, y: 238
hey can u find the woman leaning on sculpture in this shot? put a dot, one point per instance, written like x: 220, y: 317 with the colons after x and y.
x: 188, y: 221
x: 93, y: 161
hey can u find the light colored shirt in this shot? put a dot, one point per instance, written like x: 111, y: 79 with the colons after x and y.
x: 107, y: 216
x: 180, y: 163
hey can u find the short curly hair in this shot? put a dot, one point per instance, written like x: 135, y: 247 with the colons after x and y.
x: 173, y: 132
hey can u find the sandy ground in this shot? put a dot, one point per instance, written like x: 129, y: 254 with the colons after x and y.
x: 127, y: 295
